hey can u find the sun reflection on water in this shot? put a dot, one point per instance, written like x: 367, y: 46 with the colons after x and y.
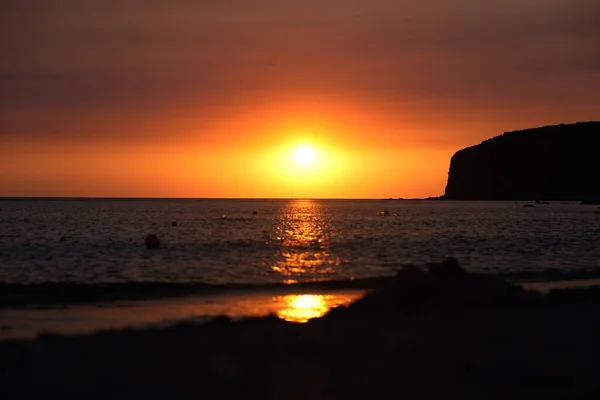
x: 302, y: 235
x: 301, y: 308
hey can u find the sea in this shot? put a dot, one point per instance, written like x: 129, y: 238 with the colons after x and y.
x: 226, y: 241
x: 99, y: 243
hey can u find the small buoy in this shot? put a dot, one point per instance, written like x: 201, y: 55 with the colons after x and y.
x: 49, y: 258
x: 384, y: 213
x: 254, y: 213
x: 174, y: 223
x: 63, y: 238
x: 26, y: 220
x: 152, y: 242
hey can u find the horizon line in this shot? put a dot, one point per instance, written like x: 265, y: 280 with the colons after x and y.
x: 198, y: 198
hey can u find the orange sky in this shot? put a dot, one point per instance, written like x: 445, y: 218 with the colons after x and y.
x: 208, y: 99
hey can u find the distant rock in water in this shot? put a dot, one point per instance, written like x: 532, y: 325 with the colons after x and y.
x: 152, y: 242
x: 384, y: 213
x: 528, y: 205
x: 26, y: 220
x: 553, y: 162
x: 174, y: 223
x: 254, y: 213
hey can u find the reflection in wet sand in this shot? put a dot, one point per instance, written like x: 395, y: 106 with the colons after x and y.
x: 303, y: 234
x: 301, y: 308
x: 29, y: 322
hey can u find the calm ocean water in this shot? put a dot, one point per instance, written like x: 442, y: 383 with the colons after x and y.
x: 221, y: 241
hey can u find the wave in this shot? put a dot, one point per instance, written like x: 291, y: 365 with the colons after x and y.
x: 57, y: 293
x: 52, y: 294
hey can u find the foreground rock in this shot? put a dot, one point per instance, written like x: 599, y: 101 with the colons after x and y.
x: 436, y: 333
x: 554, y: 162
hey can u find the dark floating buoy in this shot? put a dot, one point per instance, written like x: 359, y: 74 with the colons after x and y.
x: 152, y: 242
x: 49, y: 258
x: 63, y: 238
x: 384, y: 213
x: 26, y: 220
x: 174, y: 223
x: 254, y: 213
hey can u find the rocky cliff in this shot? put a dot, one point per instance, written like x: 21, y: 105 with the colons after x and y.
x: 560, y: 162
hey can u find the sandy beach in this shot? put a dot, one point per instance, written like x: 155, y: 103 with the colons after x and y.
x: 430, y: 333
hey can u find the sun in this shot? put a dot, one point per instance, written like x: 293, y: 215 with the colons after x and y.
x: 304, y: 155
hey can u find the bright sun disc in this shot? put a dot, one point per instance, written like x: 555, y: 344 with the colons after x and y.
x: 304, y: 155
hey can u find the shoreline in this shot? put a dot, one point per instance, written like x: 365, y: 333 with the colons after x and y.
x: 71, y: 293
x: 29, y: 322
x: 138, y: 305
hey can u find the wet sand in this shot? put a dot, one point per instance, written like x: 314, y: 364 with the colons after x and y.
x: 290, y: 305
x: 437, y: 334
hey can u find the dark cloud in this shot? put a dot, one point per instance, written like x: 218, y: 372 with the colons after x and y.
x: 92, y: 54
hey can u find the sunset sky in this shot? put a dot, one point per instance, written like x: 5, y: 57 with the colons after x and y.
x: 209, y: 98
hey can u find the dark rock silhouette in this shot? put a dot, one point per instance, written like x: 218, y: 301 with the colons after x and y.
x: 553, y: 162
x: 63, y: 238
x: 254, y: 213
x: 450, y: 268
x: 26, y: 220
x: 152, y: 242
x: 528, y: 205
x: 174, y: 223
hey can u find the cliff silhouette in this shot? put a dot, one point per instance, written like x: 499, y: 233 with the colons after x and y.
x: 559, y: 162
